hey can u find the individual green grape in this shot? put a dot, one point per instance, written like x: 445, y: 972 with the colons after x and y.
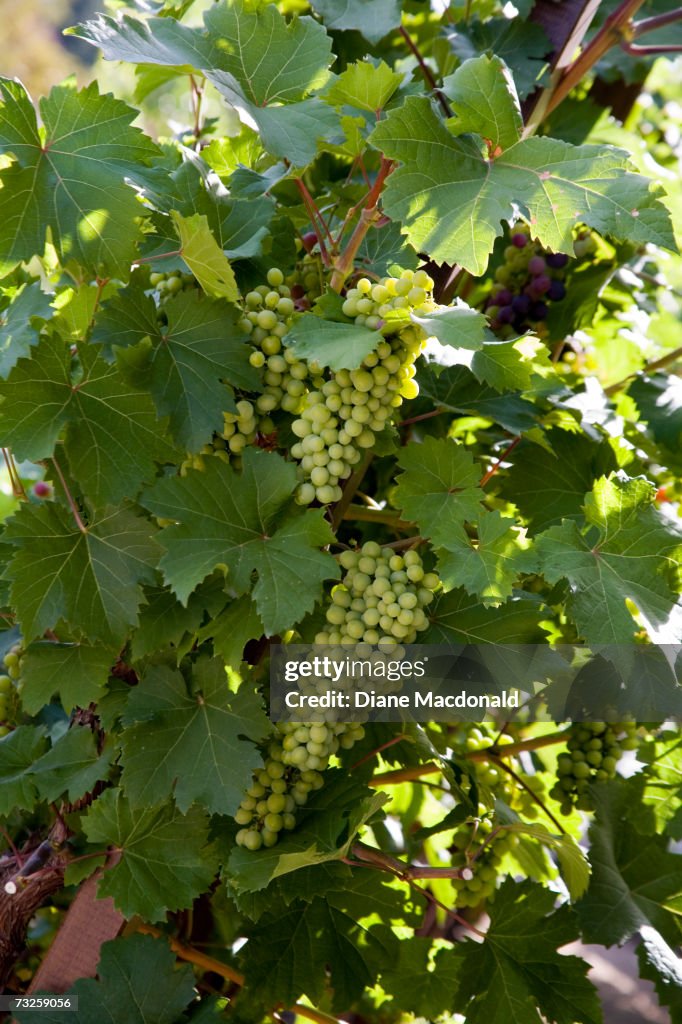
x: 592, y: 753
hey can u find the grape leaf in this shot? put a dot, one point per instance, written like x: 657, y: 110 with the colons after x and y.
x: 238, y: 225
x: 385, y: 251
x: 77, y: 672
x: 364, y: 86
x: 522, y: 45
x: 138, y: 981
x: 165, y: 862
x: 164, y: 622
x: 194, y: 362
x: 18, y: 751
x: 635, y: 881
x: 451, y: 199
x: 71, y: 180
x: 289, y: 954
x: 458, y: 326
x: 489, y: 566
x: 72, y: 766
x: 439, y: 488
x: 484, y: 99
x: 510, y: 976
x: 660, y: 964
x: 549, y: 485
x: 113, y: 438
x: 187, y: 741
x: 662, y: 758
x: 627, y: 551
x: 17, y: 331
x: 456, y: 389
x: 419, y: 982
x: 459, y: 618
x: 204, y: 257
x: 327, y: 828
x: 660, y: 406
x: 575, y: 868
x: 337, y: 345
x: 231, y: 630
x: 244, y: 521
x: 266, y: 82
x: 373, y: 18
x: 90, y: 579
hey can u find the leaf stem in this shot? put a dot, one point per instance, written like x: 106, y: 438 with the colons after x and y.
x: 496, y: 465
x: 316, y: 220
x: 426, y: 71
x: 422, y: 416
x: 69, y: 497
x: 534, y: 796
x: 655, y: 22
x: 378, y: 750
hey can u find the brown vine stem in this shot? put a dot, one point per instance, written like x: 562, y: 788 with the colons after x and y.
x: 409, y: 774
x: 426, y: 71
x: 209, y: 963
x: 657, y: 364
x: 613, y: 31
x: 368, y: 215
x: 368, y: 856
x: 69, y: 497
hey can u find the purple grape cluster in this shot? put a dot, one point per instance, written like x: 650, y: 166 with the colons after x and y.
x: 525, y: 285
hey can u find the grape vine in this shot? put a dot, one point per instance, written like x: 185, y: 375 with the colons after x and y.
x: 353, y: 339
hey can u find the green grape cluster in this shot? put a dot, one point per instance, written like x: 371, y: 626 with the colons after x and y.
x: 381, y: 598
x: 167, y: 285
x: 341, y: 419
x: 10, y: 685
x: 478, y: 857
x: 473, y: 851
x: 370, y: 304
x: 592, y: 755
x: 292, y: 770
x: 266, y: 320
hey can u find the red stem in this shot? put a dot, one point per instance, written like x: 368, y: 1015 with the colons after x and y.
x: 426, y: 71
x: 315, y: 216
x: 503, y: 458
x: 657, y: 21
x: 69, y: 497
